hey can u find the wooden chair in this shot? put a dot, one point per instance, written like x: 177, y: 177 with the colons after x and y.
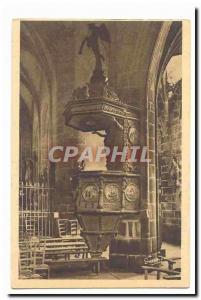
x: 172, y: 274
x: 38, y: 263
x: 25, y: 266
x: 31, y: 264
x: 148, y: 269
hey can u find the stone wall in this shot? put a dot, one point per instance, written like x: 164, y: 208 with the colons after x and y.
x: 169, y: 160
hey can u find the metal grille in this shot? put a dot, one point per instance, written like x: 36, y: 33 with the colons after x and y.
x: 35, y: 207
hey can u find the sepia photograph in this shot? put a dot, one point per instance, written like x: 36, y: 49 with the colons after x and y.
x: 100, y: 128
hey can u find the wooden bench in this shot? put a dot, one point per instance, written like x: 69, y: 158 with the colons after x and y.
x: 66, y: 247
x: 171, y: 261
x: 66, y: 253
x: 69, y: 238
x: 158, y: 271
x: 95, y: 263
x: 52, y: 250
x: 172, y: 277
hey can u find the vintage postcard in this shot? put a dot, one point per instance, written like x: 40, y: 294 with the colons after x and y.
x: 100, y: 130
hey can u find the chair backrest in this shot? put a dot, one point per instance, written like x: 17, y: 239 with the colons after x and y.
x: 25, y: 261
x: 38, y: 257
x: 67, y: 227
x: 30, y: 257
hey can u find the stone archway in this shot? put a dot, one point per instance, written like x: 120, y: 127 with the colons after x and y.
x: 169, y: 139
x: 167, y: 45
x: 38, y: 89
x: 154, y: 70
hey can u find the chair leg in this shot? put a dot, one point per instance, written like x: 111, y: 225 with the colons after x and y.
x: 145, y: 274
x: 93, y: 268
x: 170, y: 265
x: 158, y: 275
x: 98, y: 267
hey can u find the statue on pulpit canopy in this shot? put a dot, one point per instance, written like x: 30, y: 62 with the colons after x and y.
x: 91, y: 40
x: 99, y: 85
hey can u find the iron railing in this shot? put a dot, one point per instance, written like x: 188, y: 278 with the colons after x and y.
x: 35, y: 210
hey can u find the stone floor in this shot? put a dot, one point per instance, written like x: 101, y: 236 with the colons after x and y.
x: 171, y: 251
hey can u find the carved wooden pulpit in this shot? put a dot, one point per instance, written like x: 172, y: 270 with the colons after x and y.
x: 106, y: 199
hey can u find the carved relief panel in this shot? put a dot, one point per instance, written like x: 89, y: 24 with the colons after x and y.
x: 109, y: 193
x: 88, y: 195
x: 131, y: 193
x: 112, y: 196
x: 130, y: 139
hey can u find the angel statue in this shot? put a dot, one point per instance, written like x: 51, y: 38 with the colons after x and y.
x: 96, y: 32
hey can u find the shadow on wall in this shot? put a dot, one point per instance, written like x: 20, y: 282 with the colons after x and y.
x: 171, y: 234
x: 169, y: 150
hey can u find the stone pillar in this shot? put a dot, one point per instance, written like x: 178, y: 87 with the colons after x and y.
x: 130, y: 252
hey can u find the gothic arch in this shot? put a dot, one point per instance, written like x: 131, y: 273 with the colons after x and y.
x: 167, y: 45
x: 38, y: 87
x: 151, y: 127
